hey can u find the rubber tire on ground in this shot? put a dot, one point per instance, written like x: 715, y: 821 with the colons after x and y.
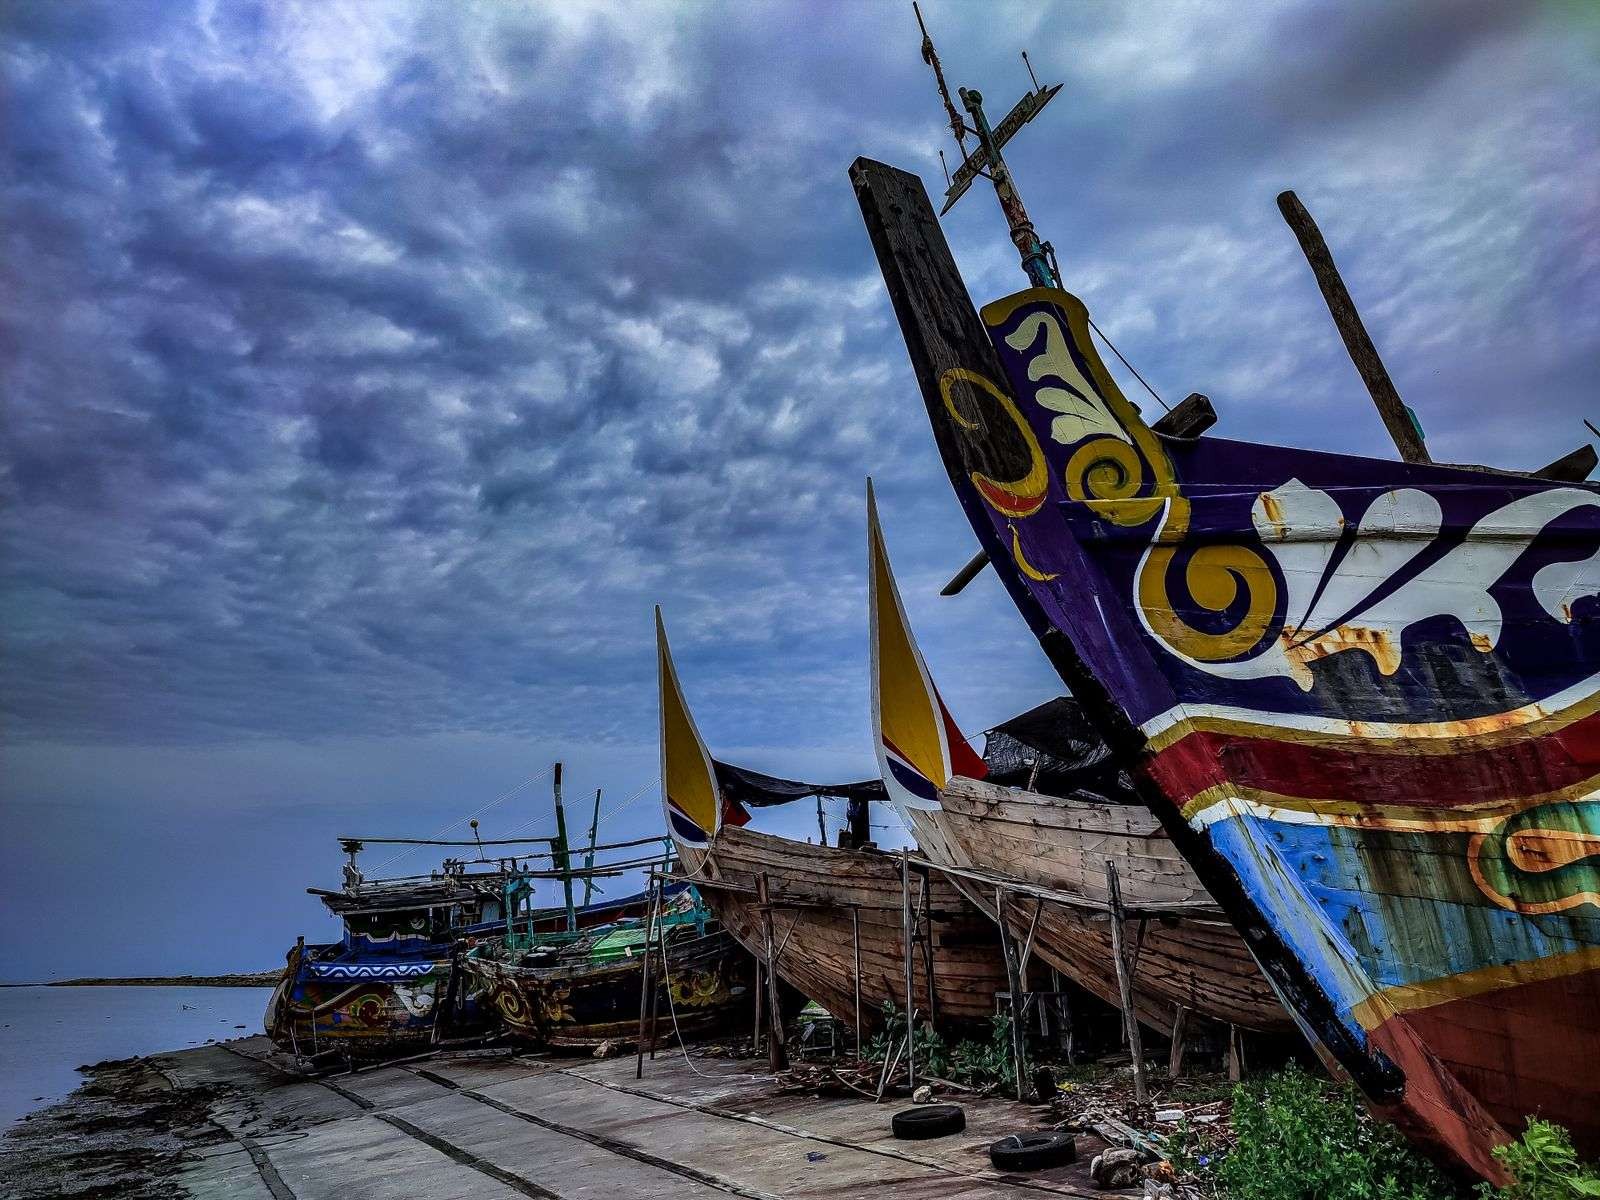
x: 928, y: 1121
x: 1033, y: 1151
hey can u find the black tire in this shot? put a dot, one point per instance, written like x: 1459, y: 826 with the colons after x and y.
x: 928, y: 1121
x: 1033, y: 1151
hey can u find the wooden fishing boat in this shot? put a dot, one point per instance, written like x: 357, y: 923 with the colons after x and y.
x: 1048, y: 853
x: 837, y: 915
x: 569, y: 991
x: 391, y: 985
x: 379, y: 991
x: 1362, y: 696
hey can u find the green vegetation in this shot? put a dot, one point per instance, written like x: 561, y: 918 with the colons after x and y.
x: 1543, y: 1166
x: 1301, y: 1138
x: 971, y: 1063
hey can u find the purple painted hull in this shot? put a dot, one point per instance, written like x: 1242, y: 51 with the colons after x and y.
x: 1363, y: 696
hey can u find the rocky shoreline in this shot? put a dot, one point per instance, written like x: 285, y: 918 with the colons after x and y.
x: 126, y: 1132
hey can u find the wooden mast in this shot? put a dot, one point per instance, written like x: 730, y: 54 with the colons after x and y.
x: 1397, y: 418
x: 563, y: 859
x: 588, y: 862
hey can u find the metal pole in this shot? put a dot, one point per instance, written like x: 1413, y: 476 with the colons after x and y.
x: 1034, y: 260
x: 563, y: 859
x: 1130, y: 1022
x: 1396, y: 416
x: 588, y: 862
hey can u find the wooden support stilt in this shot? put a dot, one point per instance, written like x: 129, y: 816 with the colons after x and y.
x: 925, y: 924
x: 1180, y: 1030
x: 755, y: 1036
x: 855, y: 939
x: 1130, y: 1021
x: 1019, y: 1054
x: 645, y: 976
x: 1357, y: 342
x: 777, y: 1055
x: 908, y: 941
x: 655, y: 996
x: 1235, y: 1054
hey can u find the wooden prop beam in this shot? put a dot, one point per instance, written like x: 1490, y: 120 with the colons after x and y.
x: 777, y: 1056
x: 966, y: 575
x: 907, y: 939
x: 1357, y: 341
x: 855, y: 940
x: 644, y: 977
x: 1130, y: 1022
x: 1019, y: 1053
x: 1180, y: 1031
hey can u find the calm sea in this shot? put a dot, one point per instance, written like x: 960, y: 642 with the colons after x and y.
x: 47, y: 1032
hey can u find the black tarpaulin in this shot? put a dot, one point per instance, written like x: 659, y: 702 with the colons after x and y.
x: 1055, y: 746
x: 740, y: 785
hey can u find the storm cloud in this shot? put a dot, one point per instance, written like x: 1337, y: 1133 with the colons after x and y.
x: 370, y: 370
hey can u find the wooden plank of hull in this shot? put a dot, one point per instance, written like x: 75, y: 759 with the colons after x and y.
x: 709, y: 979
x: 1199, y: 963
x: 825, y: 884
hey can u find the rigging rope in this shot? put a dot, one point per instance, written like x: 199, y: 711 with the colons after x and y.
x: 501, y: 799
x: 1127, y: 364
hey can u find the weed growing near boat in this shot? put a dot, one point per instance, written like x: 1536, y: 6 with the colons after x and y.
x: 1544, y: 1166
x: 971, y: 1063
x: 1301, y: 1138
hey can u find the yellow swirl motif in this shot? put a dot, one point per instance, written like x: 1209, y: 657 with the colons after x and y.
x: 1106, y: 475
x: 1132, y: 484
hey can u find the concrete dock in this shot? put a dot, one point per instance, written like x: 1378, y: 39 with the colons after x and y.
x: 492, y: 1126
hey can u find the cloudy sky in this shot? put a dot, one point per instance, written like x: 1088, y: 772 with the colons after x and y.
x: 368, y: 370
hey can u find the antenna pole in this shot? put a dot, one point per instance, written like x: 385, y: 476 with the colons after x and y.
x: 958, y: 127
x: 1035, y: 262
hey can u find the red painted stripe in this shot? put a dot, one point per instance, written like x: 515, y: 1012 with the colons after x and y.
x: 1320, y: 771
x: 964, y: 759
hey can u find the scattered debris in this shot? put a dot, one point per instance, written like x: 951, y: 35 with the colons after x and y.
x: 1118, y: 1167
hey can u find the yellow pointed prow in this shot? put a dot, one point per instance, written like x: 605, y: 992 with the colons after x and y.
x: 689, y: 794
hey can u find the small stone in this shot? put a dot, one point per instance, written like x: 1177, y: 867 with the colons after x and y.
x: 923, y: 1095
x: 1118, y: 1168
x: 609, y: 1048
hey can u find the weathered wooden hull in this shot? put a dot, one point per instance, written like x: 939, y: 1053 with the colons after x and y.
x: 706, y: 983
x: 1185, y: 954
x: 815, y: 891
x: 1362, y: 696
x: 368, y: 1007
